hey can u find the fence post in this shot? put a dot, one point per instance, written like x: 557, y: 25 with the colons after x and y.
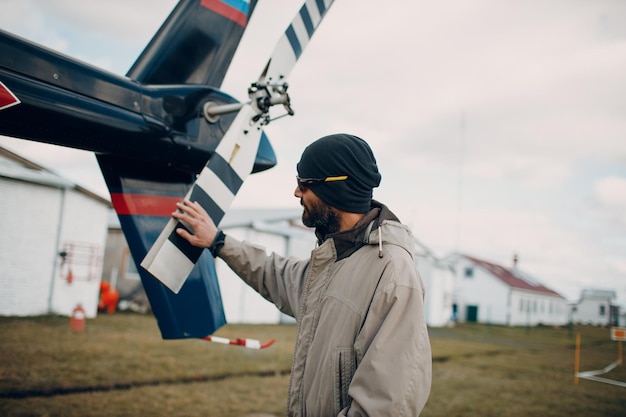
x: 577, y: 359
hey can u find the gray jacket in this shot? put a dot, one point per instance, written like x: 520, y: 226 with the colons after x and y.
x: 362, y: 345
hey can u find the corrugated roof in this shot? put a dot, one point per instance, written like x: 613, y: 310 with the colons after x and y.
x: 513, y: 277
x: 19, y: 168
x: 15, y: 167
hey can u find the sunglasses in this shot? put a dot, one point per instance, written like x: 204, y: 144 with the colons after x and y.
x: 304, y: 183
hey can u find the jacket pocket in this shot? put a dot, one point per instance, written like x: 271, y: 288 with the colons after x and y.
x: 343, y: 363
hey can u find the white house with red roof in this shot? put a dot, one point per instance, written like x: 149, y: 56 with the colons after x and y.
x: 438, y: 279
x: 485, y: 292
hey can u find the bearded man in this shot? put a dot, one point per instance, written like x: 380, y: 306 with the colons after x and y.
x: 362, y: 346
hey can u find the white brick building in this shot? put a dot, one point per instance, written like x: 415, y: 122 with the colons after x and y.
x: 52, y: 236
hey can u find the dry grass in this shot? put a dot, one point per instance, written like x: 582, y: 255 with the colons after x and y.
x: 121, y: 367
x: 500, y: 371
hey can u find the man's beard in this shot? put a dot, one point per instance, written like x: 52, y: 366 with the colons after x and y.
x: 321, y: 216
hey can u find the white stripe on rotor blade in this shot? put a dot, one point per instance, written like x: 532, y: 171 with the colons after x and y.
x: 301, y: 32
x: 328, y: 3
x: 170, y: 266
x: 243, y: 162
x: 154, y: 250
x: 238, y: 148
x: 314, y: 12
x: 282, y: 61
x: 215, y: 188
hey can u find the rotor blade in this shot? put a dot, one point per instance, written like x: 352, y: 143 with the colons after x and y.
x: 292, y: 43
x: 172, y: 258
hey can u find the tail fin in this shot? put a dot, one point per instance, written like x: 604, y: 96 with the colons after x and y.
x: 195, y: 44
x: 143, y: 196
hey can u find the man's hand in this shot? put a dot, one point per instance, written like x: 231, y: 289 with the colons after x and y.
x: 204, y: 230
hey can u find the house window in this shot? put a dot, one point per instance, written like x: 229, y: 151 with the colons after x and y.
x: 130, y: 270
x: 469, y: 272
x: 602, y: 310
x: 521, y: 304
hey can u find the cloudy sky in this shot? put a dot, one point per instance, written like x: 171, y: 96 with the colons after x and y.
x: 499, y: 125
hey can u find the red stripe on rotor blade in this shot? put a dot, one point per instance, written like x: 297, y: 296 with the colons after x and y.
x: 225, y: 10
x: 144, y: 205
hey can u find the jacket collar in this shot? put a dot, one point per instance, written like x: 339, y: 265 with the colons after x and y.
x: 349, y: 241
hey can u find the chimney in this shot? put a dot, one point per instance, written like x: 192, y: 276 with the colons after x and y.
x: 515, y: 261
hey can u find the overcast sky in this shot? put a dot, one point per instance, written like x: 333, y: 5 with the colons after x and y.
x: 499, y: 126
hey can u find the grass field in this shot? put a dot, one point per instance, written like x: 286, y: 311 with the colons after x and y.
x: 120, y: 367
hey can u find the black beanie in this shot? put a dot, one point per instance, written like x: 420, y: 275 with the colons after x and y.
x: 337, y: 155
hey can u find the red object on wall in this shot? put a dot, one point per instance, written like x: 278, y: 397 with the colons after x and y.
x: 78, y: 320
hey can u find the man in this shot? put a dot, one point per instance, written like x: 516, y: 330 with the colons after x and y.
x: 362, y: 346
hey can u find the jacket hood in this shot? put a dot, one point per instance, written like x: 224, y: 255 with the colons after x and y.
x: 379, y: 226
